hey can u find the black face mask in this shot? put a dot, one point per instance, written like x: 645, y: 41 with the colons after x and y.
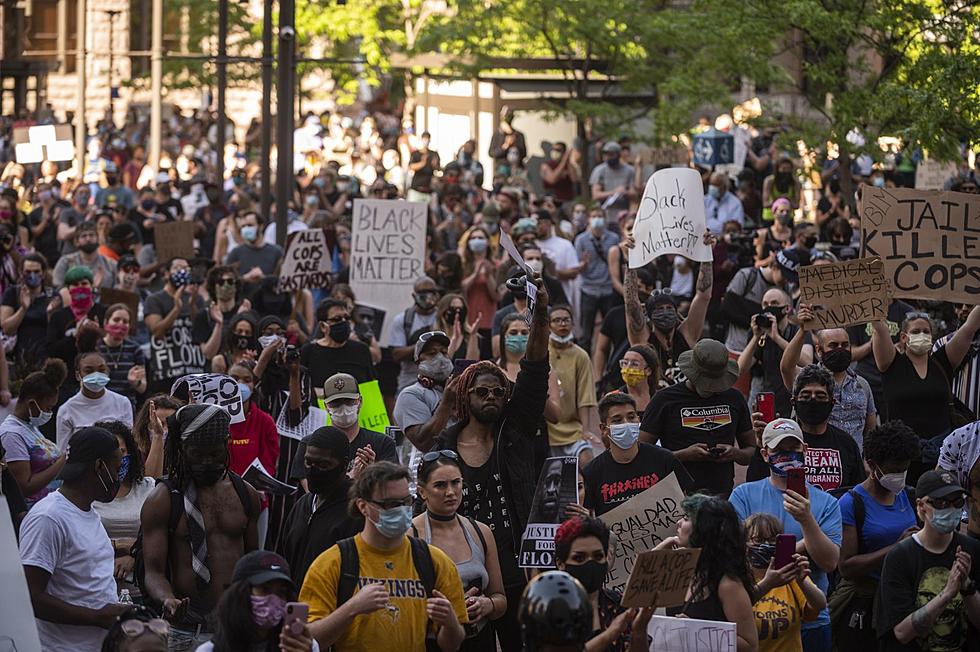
x: 784, y: 179
x: 89, y: 247
x: 324, y: 483
x: 761, y: 554
x: 243, y: 342
x: 340, y: 332
x: 813, y: 412
x: 205, y: 475
x: 837, y: 360
x: 111, y: 487
x: 664, y: 320
x: 810, y: 242
x: 777, y: 312
x: 591, y: 574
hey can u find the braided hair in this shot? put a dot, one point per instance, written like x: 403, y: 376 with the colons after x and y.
x: 461, y: 411
x: 175, y: 466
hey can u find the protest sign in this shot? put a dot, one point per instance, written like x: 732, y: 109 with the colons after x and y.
x: 532, y: 289
x: 932, y: 175
x: 387, y: 253
x: 373, y: 414
x: 660, y: 578
x: 315, y: 418
x: 557, y: 488
x: 929, y: 241
x: 307, y: 263
x: 668, y: 634
x: 18, y: 629
x: 213, y: 389
x: 173, y: 240
x: 671, y: 218
x: 640, y: 524
x: 845, y: 293
x: 258, y: 477
x: 110, y: 296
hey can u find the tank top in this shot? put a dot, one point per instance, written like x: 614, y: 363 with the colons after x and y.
x: 473, y: 571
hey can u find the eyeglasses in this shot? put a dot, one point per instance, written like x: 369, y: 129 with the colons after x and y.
x: 226, y: 281
x: 483, y: 392
x: 632, y: 364
x: 134, y: 628
x: 392, y: 503
x: 944, y: 503
x: 561, y: 321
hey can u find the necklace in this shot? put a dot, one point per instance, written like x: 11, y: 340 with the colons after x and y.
x: 114, y: 361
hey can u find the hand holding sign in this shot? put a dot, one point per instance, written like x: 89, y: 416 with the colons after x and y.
x: 671, y: 218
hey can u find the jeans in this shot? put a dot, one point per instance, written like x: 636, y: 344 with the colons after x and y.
x: 589, y: 306
x: 817, y: 639
x: 181, y: 640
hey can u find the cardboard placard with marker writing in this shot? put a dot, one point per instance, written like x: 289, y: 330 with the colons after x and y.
x: 845, y: 293
x: 660, y: 578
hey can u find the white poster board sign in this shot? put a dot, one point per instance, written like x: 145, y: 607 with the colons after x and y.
x: 387, y: 253
x: 214, y: 389
x: 671, y: 218
x: 669, y: 634
x: 18, y: 630
x: 931, y: 175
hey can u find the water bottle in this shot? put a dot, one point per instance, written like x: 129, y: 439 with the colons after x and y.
x: 124, y: 597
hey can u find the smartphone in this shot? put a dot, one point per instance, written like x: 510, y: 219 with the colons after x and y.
x: 459, y: 366
x: 796, y: 481
x: 297, y: 613
x: 716, y: 451
x: 765, y: 402
x: 785, y: 549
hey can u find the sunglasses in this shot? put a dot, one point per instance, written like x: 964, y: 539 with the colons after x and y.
x: 226, y: 281
x: 432, y: 456
x: 917, y: 315
x: 483, y: 392
x: 134, y: 628
x: 339, y: 319
x: 944, y: 503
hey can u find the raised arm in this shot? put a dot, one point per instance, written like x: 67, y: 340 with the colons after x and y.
x: 958, y: 345
x: 637, y: 329
x: 789, y: 363
x: 693, y: 325
x: 882, y: 346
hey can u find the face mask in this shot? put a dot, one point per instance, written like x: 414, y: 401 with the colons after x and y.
x: 761, y: 554
x: 81, y: 298
x: 180, y: 278
x: 32, y: 279
x: 590, y: 574
x: 578, y: 217
x: 558, y: 339
x: 205, y: 475
x: 250, y: 233
x: 535, y: 265
x: 245, y: 390
x: 777, y: 312
x: 88, y: 247
x: 6, y: 215
x: 148, y: 204
x: 783, y: 179
x: 515, y: 343
x: 437, y: 368
x: 340, y: 332
x: 624, y: 435
x: 813, y: 412
x: 879, y: 182
x: 343, y: 417
x: 111, y: 487
x: 243, y: 342
x: 323, y: 482
x: 225, y: 292
x: 111, y: 180
x: 633, y: 377
x: 613, y: 162
x: 119, y: 331
x: 44, y: 195
x: 810, y: 242
x: 664, y: 320
x: 893, y: 482
x: 42, y: 417
x: 556, y: 154
x: 597, y: 223
x: 267, y: 610
x: 714, y: 192
x: 786, y: 219
x: 393, y: 523
x: 477, y: 245
x: 780, y: 461
x: 95, y: 382
x: 946, y: 520
x: 919, y: 343
x: 267, y: 340
x: 837, y: 360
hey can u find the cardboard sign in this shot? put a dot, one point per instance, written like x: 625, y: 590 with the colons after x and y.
x: 112, y: 296
x: 932, y: 175
x: 213, y: 389
x: 373, y: 414
x: 845, y: 293
x: 18, y: 629
x: 668, y: 634
x: 641, y: 523
x: 307, y: 263
x: 929, y: 241
x: 671, y: 218
x: 660, y: 578
x: 557, y: 489
x: 173, y: 240
x: 387, y: 253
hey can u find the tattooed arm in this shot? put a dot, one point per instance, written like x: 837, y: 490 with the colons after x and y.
x: 636, y: 323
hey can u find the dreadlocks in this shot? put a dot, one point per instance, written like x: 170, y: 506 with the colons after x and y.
x: 191, y: 424
x: 461, y: 411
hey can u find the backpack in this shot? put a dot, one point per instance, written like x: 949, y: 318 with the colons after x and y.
x: 859, y: 511
x: 350, y: 566
x: 176, y: 509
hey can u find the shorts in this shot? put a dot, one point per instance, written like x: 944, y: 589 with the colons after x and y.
x: 570, y: 450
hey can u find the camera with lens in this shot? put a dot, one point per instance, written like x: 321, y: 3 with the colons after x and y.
x: 292, y: 353
x: 741, y: 248
x: 763, y: 321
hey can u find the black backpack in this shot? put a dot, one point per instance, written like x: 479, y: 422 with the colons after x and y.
x: 350, y: 566
x: 176, y: 509
x: 859, y: 511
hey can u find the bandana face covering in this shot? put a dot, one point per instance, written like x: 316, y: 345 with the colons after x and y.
x: 82, y: 300
x: 267, y: 610
x: 784, y: 460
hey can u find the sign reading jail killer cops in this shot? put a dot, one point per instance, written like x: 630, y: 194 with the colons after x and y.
x: 639, y: 524
x: 212, y: 389
x: 660, y: 578
x: 557, y: 489
x: 928, y: 241
x: 845, y: 293
x: 671, y: 218
x: 307, y: 263
x: 387, y: 253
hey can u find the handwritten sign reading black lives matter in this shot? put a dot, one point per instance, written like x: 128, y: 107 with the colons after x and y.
x: 307, y: 263
x: 929, y: 241
x: 387, y: 253
x: 845, y: 293
x: 670, y: 219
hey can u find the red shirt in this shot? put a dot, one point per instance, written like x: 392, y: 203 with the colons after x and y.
x: 255, y: 437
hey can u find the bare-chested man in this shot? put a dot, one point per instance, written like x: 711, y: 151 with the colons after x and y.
x: 190, y: 555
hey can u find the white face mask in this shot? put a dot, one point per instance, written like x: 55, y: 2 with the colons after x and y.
x: 343, y: 417
x: 893, y: 482
x: 536, y: 265
x: 919, y: 343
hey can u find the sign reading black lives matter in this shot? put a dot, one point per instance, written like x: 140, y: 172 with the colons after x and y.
x: 387, y: 253
x: 670, y: 219
x: 845, y: 293
x: 212, y: 389
x: 307, y: 263
x: 557, y: 489
x: 929, y: 241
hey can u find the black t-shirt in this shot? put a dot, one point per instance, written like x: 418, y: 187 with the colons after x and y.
x: 383, y: 446
x: 922, y: 403
x: 46, y: 243
x: 422, y: 179
x: 911, y: 577
x: 668, y: 357
x: 33, y: 329
x: 833, y: 460
x: 609, y: 484
x: 861, y: 334
x: 680, y: 418
x: 174, y: 355
x: 352, y: 358
x: 769, y: 357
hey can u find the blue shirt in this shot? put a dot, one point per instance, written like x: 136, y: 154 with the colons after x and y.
x: 762, y: 497
x: 595, y: 277
x: 883, y: 524
x: 719, y: 211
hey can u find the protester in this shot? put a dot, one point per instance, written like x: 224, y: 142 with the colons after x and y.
x: 150, y: 431
x: 771, y: 333
x: 512, y: 344
x: 576, y: 430
x: 100, y: 268
x: 959, y: 455
x: 596, y: 291
x: 640, y: 372
x: 66, y: 324
x: 24, y: 313
x: 335, y: 351
x: 137, y: 630
x: 93, y: 402
x: 421, y: 316
x: 239, y: 344
x: 123, y: 355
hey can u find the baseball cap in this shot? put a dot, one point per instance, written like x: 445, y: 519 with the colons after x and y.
x: 431, y: 336
x: 937, y: 484
x: 86, y: 446
x: 340, y: 386
x: 790, y: 260
x: 612, y: 147
x: 778, y: 430
x: 261, y: 566
x: 128, y: 261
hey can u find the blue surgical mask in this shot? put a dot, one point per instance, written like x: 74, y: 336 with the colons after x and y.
x: 245, y: 390
x: 41, y: 418
x: 516, y: 343
x: 95, y: 382
x: 393, y: 523
x: 781, y: 461
x: 250, y: 233
x: 946, y: 520
x: 624, y: 435
x: 714, y: 191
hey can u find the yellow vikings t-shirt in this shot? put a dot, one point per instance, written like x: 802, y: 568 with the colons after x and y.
x: 403, y: 624
x: 779, y: 617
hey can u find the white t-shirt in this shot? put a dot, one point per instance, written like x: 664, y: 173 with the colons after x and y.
x: 121, y: 517
x: 80, y: 411
x: 562, y: 253
x: 74, y: 548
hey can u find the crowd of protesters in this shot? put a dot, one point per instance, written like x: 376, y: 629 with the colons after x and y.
x: 137, y: 531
